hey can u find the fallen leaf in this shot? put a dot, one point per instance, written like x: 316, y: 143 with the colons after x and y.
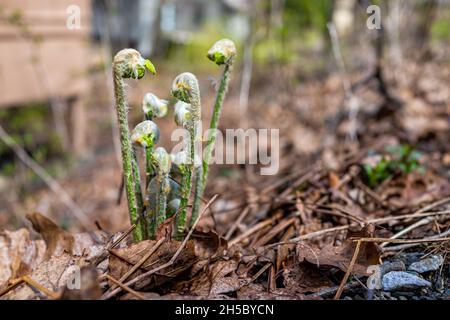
x: 208, y: 244
x: 19, y: 254
x: 304, y: 278
x: 333, y: 179
x: 165, y: 229
x: 340, y: 256
x: 220, y: 278
x: 58, y: 241
x: 56, y: 258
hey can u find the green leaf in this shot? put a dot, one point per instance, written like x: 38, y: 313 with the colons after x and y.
x: 140, y: 72
x: 219, y: 58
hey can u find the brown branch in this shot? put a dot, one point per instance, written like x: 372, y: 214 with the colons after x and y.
x: 349, y: 270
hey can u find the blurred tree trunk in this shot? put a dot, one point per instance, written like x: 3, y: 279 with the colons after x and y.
x: 427, y: 13
x: 149, y: 22
x: 247, y: 67
x: 391, y: 104
x: 343, y: 15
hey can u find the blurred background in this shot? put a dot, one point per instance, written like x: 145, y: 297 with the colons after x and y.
x: 312, y: 69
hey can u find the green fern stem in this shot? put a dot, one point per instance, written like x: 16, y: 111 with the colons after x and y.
x: 161, y: 205
x: 127, y: 154
x: 148, y: 165
x: 186, y: 185
x: 197, y: 195
x: 211, y: 140
x: 138, y: 193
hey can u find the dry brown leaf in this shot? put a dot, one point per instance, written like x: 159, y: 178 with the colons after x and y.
x: 340, y: 256
x: 18, y: 254
x: 58, y: 241
x: 64, y: 254
x: 165, y: 229
x: 51, y: 274
x: 123, y: 259
x: 219, y: 279
x: 304, y: 278
x: 208, y: 244
x: 333, y: 179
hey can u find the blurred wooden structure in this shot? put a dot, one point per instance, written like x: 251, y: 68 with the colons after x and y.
x: 42, y: 59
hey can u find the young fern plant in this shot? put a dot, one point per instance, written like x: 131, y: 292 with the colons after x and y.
x: 223, y: 52
x: 153, y: 107
x: 185, y: 88
x: 145, y: 135
x: 128, y: 63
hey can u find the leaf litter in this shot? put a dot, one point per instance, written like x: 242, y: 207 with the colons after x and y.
x: 291, y: 236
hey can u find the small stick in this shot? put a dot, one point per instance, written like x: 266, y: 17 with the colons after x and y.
x: 123, y: 286
x: 260, y: 272
x: 345, y: 227
x: 174, y: 257
x: 253, y: 229
x: 28, y: 280
x: 349, y: 270
x: 410, y: 245
x: 241, y: 217
x: 275, y: 230
x: 434, y: 204
x: 105, y: 252
x: 140, y: 263
x: 424, y: 240
x: 419, y: 223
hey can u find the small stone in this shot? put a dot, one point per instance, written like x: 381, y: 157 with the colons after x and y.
x: 410, y: 257
x: 402, y: 298
x: 399, y: 280
x: 432, y: 263
x: 397, y: 265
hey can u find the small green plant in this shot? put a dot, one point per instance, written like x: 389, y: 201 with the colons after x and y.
x: 405, y: 158
x: 402, y: 159
x: 128, y: 63
x: 185, y: 88
x: 153, y: 107
x: 378, y: 173
x: 223, y: 52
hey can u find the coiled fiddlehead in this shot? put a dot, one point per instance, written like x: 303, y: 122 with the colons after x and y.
x: 128, y: 63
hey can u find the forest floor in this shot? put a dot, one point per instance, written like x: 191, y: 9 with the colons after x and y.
x: 356, y: 199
